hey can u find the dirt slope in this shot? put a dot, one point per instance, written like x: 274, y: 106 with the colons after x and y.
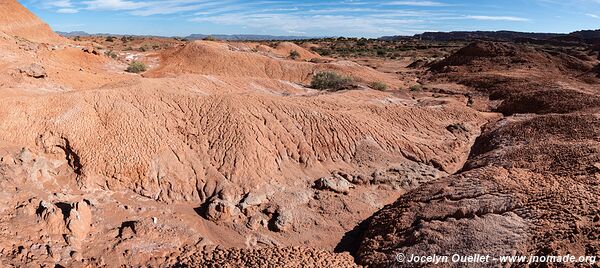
x: 219, y: 150
x: 216, y: 58
x: 507, y: 202
x: 529, y: 186
x: 16, y: 20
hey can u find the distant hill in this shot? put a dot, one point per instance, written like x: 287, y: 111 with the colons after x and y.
x: 465, y: 35
x: 579, y: 36
x: 232, y: 37
x: 587, y: 34
x: 73, y: 34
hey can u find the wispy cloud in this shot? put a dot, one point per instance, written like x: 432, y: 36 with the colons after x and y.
x: 326, y: 17
x: 593, y: 15
x: 497, y: 18
x: 417, y: 3
x: 115, y: 5
x: 67, y: 10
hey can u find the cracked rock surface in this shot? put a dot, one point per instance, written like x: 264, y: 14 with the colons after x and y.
x: 529, y: 187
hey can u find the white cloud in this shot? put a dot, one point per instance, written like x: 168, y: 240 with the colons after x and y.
x: 497, y: 18
x: 115, y: 5
x: 67, y: 10
x: 593, y: 15
x: 60, y: 3
x: 316, y: 24
x: 417, y: 3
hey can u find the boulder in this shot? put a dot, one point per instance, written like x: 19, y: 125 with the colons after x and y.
x: 34, y: 70
x: 336, y: 184
x: 284, y: 220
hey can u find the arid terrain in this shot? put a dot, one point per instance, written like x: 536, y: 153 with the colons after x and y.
x: 228, y: 154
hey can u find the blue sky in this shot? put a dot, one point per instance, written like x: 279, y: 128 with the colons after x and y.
x: 356, y: 18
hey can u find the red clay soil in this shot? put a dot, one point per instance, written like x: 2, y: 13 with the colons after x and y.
x: 523, y: 195
x: 16, y: 20
x: 220, y: 155
x: 530, y: 185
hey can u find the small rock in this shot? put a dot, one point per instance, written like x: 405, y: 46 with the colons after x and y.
x: 80, y: 220
x: 7, y: 160
x: 90, y: 50
x: 457, y: 128
x: 52, y: 216
x: 220, y: 210
x: 256, y: 222
x: 284, y: 220
x: 25, y: 156
x: 253, y: 199
x: 34, y: 70
x: 336, y: 184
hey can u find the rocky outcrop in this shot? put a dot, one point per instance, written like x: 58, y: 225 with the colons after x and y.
x: 528, y: 187
x: 34, y: 70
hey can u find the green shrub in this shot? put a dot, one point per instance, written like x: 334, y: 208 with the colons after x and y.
x: 378, y: 85
x: 110, y: 53
x: 110, y: 39
x: 209, y: 38
x: 330, y: 80
x: 416, y: 87
x: 136, y: 67
x: 294, y: 55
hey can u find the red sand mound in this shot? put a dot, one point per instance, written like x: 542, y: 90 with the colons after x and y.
x: 215, y: 58
x: 285, y: 48
x: 487, y: 56
x: 16, y: 20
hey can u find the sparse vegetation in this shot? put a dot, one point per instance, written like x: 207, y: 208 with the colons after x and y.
x: 209, y: 38
x: 137, y: 67
x: 111, y: 54
x: 378, y: 85
x: 294, y: 55
x: 416, y: 87
x: 330, y: 81
x: 110, y: 39
x: 126, y: 39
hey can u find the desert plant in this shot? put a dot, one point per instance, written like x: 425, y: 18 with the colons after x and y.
x: 209, y: 38
x: 330, y: 80
x: 294, y: 54
x: 110, y: 39
x: 126, y: 39
x: 378, y: 85
x: 110, y: 53
x: 136, y: 67
x: 416, y: 87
